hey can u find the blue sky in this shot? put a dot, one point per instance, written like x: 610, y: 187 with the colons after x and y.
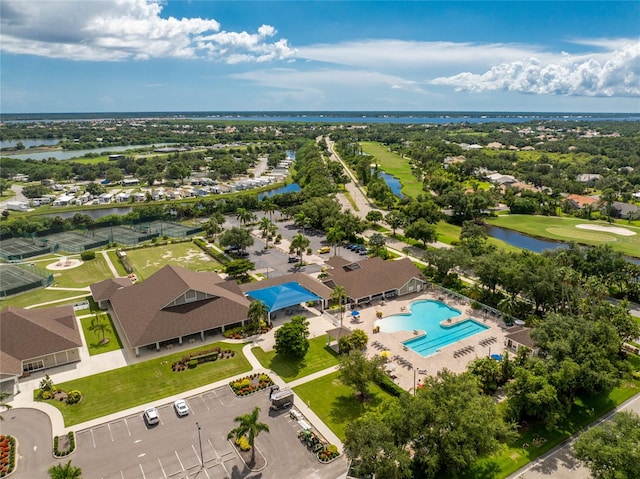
x: 200, y: 55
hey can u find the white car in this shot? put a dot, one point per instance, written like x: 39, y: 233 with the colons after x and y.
x: 181, y: 407
x: 151, y: 416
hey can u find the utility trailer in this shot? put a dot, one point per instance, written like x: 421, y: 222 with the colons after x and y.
x: 281, y: 399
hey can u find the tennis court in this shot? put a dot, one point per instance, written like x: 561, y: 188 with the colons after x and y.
x: 18, y: 249
x: 77, y: 242
x: 124, y: 235
x: 173, y: 230
x: 16, y: 279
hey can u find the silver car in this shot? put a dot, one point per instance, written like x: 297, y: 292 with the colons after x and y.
x: 151, y: 416
x: 181, y: 407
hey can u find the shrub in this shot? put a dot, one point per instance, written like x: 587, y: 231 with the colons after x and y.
x: 87, y: 255
x: 192, y: 363
x: 242, y: 443
x: 73, y: 397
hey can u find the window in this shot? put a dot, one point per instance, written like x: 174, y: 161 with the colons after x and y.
x: 33, y: 366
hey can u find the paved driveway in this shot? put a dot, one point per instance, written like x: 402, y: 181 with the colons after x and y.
x: 128, y: 448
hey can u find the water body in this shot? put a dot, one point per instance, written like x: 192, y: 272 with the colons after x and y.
x: 28, y: 143
x: 290, y: 188
x: 530, y: 243
x: 392, y: 182
x: 94, y: 213
x: 78, y: 154
x: 432, y: 117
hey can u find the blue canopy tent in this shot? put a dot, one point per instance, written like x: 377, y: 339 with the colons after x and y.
x: 283, y: 295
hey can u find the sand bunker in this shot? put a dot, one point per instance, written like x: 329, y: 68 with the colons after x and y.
x: 616, y: 230
x: 64, y: 263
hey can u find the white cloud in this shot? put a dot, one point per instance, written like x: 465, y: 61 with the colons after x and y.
x: 607, y: 74
x: 126, y: 29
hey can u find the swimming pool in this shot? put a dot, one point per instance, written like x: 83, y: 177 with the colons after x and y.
x: 426, y: 315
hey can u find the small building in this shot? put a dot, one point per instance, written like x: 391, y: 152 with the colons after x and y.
x: 625, y: 211
x: 36, y: 339
x: 519, y: 337
x: 64, y: 200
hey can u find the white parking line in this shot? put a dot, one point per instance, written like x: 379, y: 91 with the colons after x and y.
x: 216, y: 394
x: 163, y: 473
x: 198, y: 455
x: 93, y: 439
x: 142, y: 471
x: 181, y: 466
x: 126, y: 423
x: 110, y: 435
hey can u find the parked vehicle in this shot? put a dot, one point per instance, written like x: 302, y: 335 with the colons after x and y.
x: 281, y: 399
x: 324, y: 249
x: 181, y: 407
x: 151, y: 416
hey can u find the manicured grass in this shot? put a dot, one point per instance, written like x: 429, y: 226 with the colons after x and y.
x: 349, y: 198
x: 514, y: 456
x: 93, y: 339
x: 140, y: 383
x: 318, y: 357
x: 147, y: 261
x: 39, y: 296
x: 116, y: 263
x: 395, y: 165
x: 91, y: 271
x: 564, y: 229
x: 335, y: 403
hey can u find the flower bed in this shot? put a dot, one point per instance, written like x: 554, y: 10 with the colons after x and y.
x: 328, y: 453
x: 7, y: 455
x: 193, y: 359
x: 250, y: 384
x: 64, y: 445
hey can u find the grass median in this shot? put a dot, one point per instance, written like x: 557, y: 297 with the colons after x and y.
x: 141, y: 383
x: 318, y: 357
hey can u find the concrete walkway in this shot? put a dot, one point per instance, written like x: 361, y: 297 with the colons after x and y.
x: 113, y: 269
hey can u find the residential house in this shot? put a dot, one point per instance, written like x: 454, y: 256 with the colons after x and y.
x: 625, y: 211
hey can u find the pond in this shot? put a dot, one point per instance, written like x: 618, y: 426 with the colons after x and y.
x: 393, y: 183
x: 94, y: 213
x: 29, y: 143
x: 290, y: 188
x: 530, y: 243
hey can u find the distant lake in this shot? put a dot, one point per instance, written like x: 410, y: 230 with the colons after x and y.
x: 94, y: 213
x: 393, y: 183
x: 28, y: 143
x: 78, y: 154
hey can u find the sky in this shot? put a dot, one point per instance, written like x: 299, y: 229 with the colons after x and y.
x: 149, y: 55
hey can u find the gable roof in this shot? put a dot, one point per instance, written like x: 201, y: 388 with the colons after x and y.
x: 146, y: 313
x: 104, y: 289
x: 371, y: 276
x: 520, y: 335
x: 31, y: 333
x: 581, y: 201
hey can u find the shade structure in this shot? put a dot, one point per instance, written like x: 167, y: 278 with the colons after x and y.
x: 497, y: 357
x: 385, y: 354
x: 283, y: 295
x: 355, y: 313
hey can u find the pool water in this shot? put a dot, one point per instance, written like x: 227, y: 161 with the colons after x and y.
x: 426, y: 315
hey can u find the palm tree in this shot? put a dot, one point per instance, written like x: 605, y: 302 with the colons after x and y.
x: 268, y: 206
x: 258, y: 311
x: 244, y: 216
x: 335, y: 235
x: 249, y: 426
x: 65, y: 472
x: 267, y: 228
x: 339, y: 294
x: 298, y: 244
x: 4, y: 405
x: 99, y: 325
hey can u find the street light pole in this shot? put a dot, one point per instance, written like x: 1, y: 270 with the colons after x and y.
x: 200, y: 444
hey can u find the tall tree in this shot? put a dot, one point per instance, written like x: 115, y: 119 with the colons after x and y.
x: 612, y: 450
x: 249, y: 426
x: 258, y: 312
x: 244, y: 216
x: 357, y: 371
x: 299, y: 244
x: 292, y: 337
x: 267, y: 229
x: 335, y: 235
x: 100, y: 325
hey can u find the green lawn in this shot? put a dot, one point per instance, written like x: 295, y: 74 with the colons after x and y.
x: 513, y: 456
x: 395, y: 165
x: 38, y: 296
x: 564, y: 229
x: 147, y: 261
x: 93, y: 339
x: 116, y: 263
x: 140, y: 383
x: 89, y: 272
x: 335, y: 403
x: 318, y: 357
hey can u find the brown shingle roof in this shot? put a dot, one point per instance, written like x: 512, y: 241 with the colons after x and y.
x: 145, y: 315
x: 520, y: 335
x: 104, y: 289
x: 30, y: 333
x: 371, y: 276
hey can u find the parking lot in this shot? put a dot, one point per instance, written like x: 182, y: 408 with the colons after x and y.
x: 129, y: 448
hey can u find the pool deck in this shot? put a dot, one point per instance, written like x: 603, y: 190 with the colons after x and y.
x: 407, y: 366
